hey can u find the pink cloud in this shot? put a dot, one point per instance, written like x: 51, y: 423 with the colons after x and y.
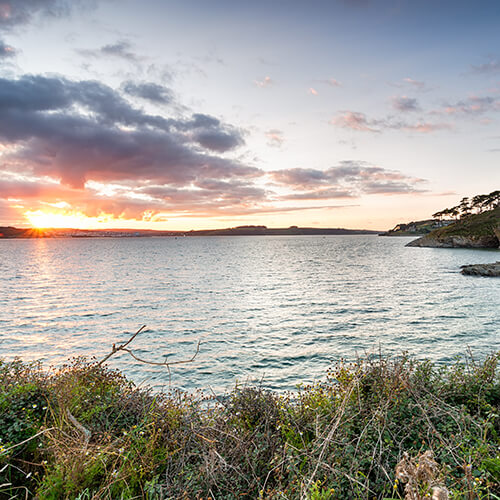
x: 354, y: 121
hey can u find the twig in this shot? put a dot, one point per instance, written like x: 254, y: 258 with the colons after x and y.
x: 166, y: 363
x: 115, y: 349
x: 6, y: 450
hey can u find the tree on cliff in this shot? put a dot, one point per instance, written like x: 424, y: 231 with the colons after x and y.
x: 479, y: 203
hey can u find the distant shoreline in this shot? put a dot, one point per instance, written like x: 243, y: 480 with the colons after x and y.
x: 18, y: 233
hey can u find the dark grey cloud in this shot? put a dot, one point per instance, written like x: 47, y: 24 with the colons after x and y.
x: 150, y: 91
x: 348, y: 179
x: 405, y: 104
x: 76, y: 131
x: 492, y: 67
x: 217, y: 139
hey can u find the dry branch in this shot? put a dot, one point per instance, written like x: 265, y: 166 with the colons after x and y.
x: 165, y: 363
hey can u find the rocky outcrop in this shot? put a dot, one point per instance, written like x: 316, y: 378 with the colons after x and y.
x: 482, y: 269
x: 455, y: 241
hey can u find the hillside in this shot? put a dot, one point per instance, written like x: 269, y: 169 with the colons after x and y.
x: 472, y: 231
x: 416, y: 228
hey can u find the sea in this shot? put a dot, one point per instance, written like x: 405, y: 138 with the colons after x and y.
x: 273, y: 311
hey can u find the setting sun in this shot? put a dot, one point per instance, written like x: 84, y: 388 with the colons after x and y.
x: 51, y: 219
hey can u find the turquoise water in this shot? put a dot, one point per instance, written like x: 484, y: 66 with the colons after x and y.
x: 273, y: 310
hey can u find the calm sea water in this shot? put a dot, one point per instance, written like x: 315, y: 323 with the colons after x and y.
x: 277, y: 310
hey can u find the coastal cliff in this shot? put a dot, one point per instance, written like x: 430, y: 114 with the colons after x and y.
x: 474, y: 231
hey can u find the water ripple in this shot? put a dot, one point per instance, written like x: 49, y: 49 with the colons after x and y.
x: 276, y: 310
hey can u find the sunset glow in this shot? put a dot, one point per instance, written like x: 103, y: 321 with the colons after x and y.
x: 173, y: 129
x: 51, y: 219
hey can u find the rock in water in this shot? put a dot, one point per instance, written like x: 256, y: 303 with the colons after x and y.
x: 482, y: 269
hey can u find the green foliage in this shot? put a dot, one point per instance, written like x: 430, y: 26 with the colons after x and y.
x: 341, y: 439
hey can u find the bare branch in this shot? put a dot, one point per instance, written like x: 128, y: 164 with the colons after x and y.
x: 115, y: 349
x: 166, y: 363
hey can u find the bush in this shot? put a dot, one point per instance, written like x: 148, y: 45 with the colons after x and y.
x: 85, y: 431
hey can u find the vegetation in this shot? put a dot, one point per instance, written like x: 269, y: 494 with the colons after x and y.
x: 373, y: 429
x: 474, y: 225
x: 413, y: 228
x: 467, y: 206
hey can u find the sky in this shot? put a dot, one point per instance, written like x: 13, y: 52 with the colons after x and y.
x: 189, y: 114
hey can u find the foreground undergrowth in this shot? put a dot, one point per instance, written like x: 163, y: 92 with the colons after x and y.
x: 373, y: 429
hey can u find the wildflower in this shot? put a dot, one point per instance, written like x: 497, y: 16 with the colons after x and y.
x: 34, y: 405
x: 120, y: 450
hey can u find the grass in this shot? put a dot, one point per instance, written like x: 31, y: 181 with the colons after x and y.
x: 380, y: 428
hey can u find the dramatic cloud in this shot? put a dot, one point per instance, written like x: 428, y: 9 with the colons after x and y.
x: 349, y: 179
x: 157, y: 94
x: 264, y: 83
x: 275, y: 137
x: 80, y: 131
x: 405, y: 104
x: 490, y: 67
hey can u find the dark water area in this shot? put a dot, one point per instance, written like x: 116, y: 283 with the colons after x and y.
x: 271, y: 310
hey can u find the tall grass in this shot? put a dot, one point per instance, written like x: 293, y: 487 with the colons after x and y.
x: 373, y: 429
